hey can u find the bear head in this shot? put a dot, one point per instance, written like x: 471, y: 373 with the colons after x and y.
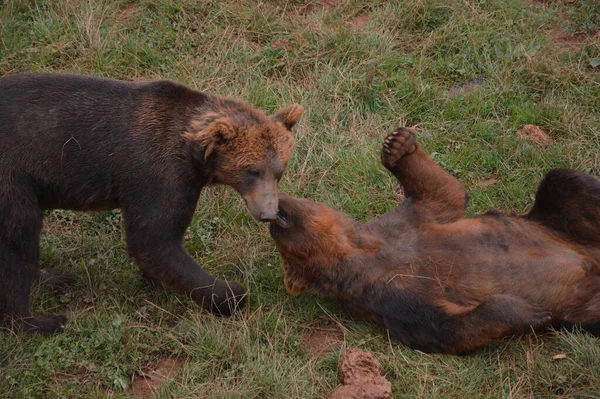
x: 244, y: 148
x: 313, y: 240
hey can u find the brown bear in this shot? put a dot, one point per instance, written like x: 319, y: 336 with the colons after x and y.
x: 85, y: 143
x: 441, y: 283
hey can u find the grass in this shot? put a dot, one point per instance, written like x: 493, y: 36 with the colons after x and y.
x: 357, y: 81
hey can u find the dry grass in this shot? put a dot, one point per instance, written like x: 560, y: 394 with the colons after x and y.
x: 360, y: 69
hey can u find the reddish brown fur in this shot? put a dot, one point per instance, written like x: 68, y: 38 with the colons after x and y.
x: 440, y: 283
x: 241, y: 140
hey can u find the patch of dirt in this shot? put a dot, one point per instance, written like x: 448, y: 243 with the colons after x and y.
x: 535, y: 134
x: 281, y: 44
x: 126, y: 14
x: 487, y: 182
x: 566, y: 41
x: 465, y: 88
x: 145, y: 385
x: 357, y: 22
x: 322, y: 339
x: 546, y: 3
x: 312, y: 7
x: 359, y: 372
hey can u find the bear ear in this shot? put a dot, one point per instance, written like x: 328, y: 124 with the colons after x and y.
x: 211, y: 132
x: 289, y: 116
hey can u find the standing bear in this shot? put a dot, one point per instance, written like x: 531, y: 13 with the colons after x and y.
x: 441, y: 283
x: 89, y: 144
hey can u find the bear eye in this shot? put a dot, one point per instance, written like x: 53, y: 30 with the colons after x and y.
x: 254, y: 173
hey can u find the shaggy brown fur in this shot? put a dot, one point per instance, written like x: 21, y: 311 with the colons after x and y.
x: 83, y: 143
x: 441, y: 283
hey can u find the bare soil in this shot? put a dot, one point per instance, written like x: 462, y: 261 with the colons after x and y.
x: 281, y: 44
x: 322, y: 339
x: 145, y: 385
x: 312, y: 7
x: 357, y: 22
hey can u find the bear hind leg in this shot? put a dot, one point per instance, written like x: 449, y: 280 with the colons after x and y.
x: 587, y: 316
x: 569, y: 201
x: 496, y: 317
x: 19, y: 253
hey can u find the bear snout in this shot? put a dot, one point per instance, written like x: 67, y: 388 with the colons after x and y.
x: 262, y: 206
x: 267, y: 216
x: 263, y: 213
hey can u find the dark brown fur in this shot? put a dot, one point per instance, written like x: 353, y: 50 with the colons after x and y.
x: 441, y: 283
x: 84, y: 143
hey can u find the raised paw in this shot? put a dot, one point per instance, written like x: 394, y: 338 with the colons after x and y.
x: 398, y: 144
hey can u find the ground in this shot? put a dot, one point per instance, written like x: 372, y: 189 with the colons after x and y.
x: 468, y: 74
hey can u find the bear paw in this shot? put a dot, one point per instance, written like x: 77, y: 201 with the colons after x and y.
x: 538, y: 318
x: 57, y: 283
x: 224, y: 298
x: 398, y: 144
x: 43, y: 325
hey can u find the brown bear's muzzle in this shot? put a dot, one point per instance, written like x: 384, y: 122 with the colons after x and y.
x: 262, y: 202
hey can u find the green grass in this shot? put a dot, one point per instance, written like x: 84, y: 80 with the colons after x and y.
x: 356, y: 84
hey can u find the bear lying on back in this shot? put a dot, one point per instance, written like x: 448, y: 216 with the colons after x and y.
x: 441, y: 283
x: 83, y: 143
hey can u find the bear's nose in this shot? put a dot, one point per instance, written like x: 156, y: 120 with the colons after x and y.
x: 267, y: 216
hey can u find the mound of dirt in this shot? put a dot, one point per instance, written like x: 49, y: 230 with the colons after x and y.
x: 359, y: 373
x: 535, y: 134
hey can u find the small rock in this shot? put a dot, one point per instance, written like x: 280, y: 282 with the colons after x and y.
x: 535, y: 134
